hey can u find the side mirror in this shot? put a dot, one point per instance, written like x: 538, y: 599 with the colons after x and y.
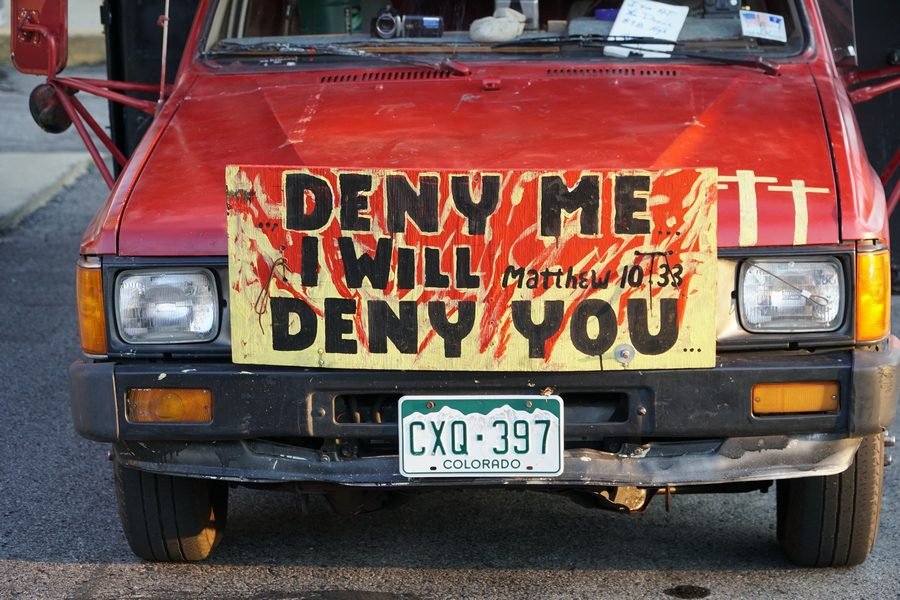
x: 39, y: 42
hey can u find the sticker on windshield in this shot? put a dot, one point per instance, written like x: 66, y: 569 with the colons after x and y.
x: 763, y: 25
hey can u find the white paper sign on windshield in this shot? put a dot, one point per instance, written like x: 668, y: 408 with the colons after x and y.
x: 647, y: 19
x: 763, y: 25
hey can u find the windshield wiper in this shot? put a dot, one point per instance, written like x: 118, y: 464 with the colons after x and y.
x: 758, y: 62
x: 630, y: 44
x: 583, y: 41
x: 233, y: 48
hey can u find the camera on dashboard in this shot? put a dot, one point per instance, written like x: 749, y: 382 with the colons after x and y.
x: 388, y: 24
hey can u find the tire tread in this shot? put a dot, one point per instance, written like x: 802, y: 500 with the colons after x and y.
x: 170, y: 519
x: 832, y: 521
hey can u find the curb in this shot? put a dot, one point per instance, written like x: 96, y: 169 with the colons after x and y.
x: 84, y: 49
x: 38, y: 199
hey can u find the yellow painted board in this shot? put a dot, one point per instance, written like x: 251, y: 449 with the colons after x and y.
x: 491, y: 270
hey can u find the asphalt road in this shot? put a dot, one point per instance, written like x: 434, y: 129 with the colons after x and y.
x: 60, y: 536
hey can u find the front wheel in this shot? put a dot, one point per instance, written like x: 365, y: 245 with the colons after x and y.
x: 831, y: 521
x: 170, y: 519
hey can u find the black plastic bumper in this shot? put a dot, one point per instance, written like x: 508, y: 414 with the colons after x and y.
x: 277, y: 402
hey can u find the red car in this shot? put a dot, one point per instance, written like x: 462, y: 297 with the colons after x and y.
x: 613, y: 249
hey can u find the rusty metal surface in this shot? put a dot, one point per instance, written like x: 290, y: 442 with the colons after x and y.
x: 651, y: 464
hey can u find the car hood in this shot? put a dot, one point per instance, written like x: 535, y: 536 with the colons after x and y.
x: 765, y: 134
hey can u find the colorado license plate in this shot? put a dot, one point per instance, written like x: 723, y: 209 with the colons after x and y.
x: 481, y: 436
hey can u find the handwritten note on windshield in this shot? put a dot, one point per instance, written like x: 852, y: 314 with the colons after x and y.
x: 647, y: 19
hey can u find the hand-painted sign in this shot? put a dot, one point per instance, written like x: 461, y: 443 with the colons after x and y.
x: 472, y: 270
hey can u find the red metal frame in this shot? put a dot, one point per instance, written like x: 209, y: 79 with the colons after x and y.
x: 892, y: 167
x: 66, y: 87
x: 864, y: 88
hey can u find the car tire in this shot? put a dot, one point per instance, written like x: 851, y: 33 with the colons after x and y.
x: 170, y: 519
x: 831, y: 521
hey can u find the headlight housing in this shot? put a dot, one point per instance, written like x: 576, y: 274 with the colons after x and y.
x: 791, y: 295
x: 169, y: 307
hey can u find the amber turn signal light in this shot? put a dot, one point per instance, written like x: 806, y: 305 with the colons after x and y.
x: 168, y: 405
x: 873, y: 295
x: 91, y: 311
x: 795, y: 397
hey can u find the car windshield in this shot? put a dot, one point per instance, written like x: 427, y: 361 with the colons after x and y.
x: 408, y: 30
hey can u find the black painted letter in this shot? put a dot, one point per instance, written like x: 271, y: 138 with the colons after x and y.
x: 537, y: 333
x: 556, y: 197
x: 453, y: 333
x: 606, y: 319
x: 376, y: 270
x: 282, y: 338
x: 627, y: 204
x: 639, y: 329
x: 476, y: 214
x: 403, y: 199
x: 336, y: 326
x: 309, y: 261
x: 434, y: 277
x: 352, y: 200
x: 384, y: 325
x: 295, y: 187
x: 465, y: 279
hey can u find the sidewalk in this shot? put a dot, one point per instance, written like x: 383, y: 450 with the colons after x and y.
x: 30, y: 180
x: 34, y: 165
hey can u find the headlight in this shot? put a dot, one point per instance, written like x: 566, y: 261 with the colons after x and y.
x: 791, y: 295
x: 174, y: 306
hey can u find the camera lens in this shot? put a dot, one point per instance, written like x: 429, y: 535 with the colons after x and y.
x: 386, y: 26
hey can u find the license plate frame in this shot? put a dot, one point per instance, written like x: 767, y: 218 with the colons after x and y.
x: 492, y: 442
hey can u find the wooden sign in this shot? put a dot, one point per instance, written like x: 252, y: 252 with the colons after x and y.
x: 472, y: 270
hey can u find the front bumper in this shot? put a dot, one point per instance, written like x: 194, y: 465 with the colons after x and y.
x: 660, y: 464
x: 255, y: 406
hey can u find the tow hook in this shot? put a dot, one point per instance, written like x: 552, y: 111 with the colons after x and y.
x: 889, y: 442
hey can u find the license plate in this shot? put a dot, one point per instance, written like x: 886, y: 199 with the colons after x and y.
x: 481, y: 436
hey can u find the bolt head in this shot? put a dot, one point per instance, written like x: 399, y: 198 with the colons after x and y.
x: 642, y: 411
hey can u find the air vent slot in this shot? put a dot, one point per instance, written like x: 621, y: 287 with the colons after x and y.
x: 405, y: 75
x: 610, y: 72
x: 582, y: 408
